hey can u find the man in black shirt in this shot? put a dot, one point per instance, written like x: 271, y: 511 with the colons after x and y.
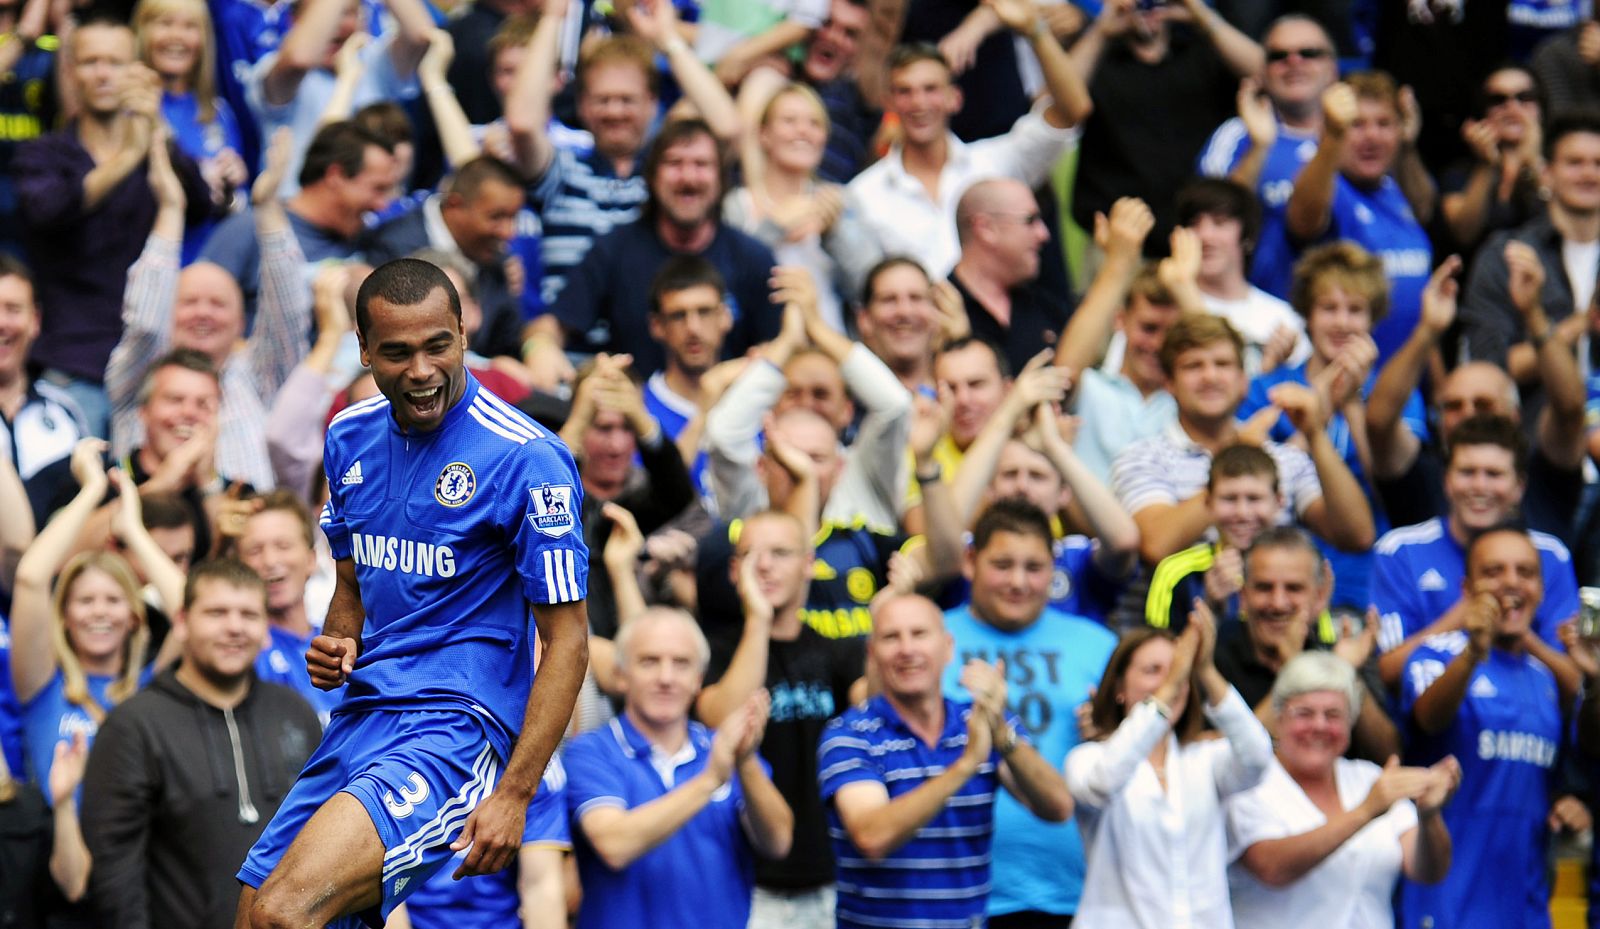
x: 810, y: 678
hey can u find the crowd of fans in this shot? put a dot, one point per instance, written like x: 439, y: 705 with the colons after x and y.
x: 1107, y: 462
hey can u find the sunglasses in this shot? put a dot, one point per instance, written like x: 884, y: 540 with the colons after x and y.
x: 1276, y: 55
x: 1521, y: 96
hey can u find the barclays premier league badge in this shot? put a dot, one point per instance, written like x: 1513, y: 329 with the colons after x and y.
x: 552, y: 509
x: 455, y: 485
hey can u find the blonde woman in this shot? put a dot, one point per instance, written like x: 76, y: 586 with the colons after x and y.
x: 78, y: 648
x: 177, y: 42
x: 806, y: 223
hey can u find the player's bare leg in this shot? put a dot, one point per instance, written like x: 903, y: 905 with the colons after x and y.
x: 334, y: 867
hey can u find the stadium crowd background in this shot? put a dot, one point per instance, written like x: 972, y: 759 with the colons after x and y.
x: 1060, y: 314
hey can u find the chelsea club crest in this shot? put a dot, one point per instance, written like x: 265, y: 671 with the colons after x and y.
x: 456, y: 484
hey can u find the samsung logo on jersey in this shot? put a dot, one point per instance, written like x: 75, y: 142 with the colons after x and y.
x: 1516, y: 746
x: 1407, y: 262
x: 391, y: 554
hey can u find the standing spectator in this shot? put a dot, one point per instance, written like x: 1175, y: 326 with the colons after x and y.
x: 805, y: 223
x: 1499, y: 185
x: 41, y: 422
x: 29, y: 94
x: 78, y: 647
x: 293, y: 85
x: 1053, y: 660
x: 185, y: 774
x: 846, y: 62
x: 909, y: 196
x: 1150, y: 793
x: 904, y: 317
x: 1001, y: 235
x: 973, y: 377
x: 1565, y: 66
x: 344, y: 175
x: 910, y: 778
x: 1158, y: 93
x: 657, y: 801
x: 690, y: 321
x: 87, y: 205
x: 1564, y: 239
x: 1492, y: 694
x: 200, y: 308
x: 473, y: 69
x: 810, y: 679
x: 1366, y: 183
x: 177, y: 42
x: 1227, y: 219
x: 736, y: 34
x: 598, y: 312
x: 1304, y: 849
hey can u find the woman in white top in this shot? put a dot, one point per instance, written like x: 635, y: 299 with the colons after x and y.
x: 1149, y: 797
x: 1322, y: 839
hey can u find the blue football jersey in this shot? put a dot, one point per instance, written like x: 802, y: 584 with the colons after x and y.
x: 1506, y: 735
x: 454, y: 534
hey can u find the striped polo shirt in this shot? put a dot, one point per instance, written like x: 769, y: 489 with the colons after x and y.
x: 580, y: 198
x: 940, y: 878
x: 1170, y: 468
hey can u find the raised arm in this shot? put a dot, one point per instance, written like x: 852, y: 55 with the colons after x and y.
x: 1116, y: 20
x: 747, y: 670
x: 660, y: 27
x: 1038, y: 383
x: 33, y: 657
x: 1111, y: 525
x: 128, y: 526
x: 1394, y: 446
x: 70, y: 860
x: 1435, y: 708
x: 348, y: 69
x: 1412, y: 176
x: 1261, y: 124
x: 315, y: 24
x: 152, y: 289
x: 1023, y: 771
x: 455, y: 130
x: 1342, y: 514
x: 766, y: 818
x: 284, y: 311
x: 1554, y: 353
x: 528, y: 101
x: 410, y: 43
x: 1089, y: 330
x: 1069, y: 92
x: 1310, y: 207
x: 137, y: 124
x: 1238, y: 51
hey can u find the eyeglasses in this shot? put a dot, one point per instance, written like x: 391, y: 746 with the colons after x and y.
x: 1521, y: 96
x: 1276, y: 55
x: 1024, y: 219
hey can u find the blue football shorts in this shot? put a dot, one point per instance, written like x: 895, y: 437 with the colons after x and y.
x: 418, y: 773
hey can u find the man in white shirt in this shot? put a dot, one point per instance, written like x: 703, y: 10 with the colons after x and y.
x: 909, y: 197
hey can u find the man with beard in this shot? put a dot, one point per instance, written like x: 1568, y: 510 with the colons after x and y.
x: 598, y: 310
x: 475, y: 216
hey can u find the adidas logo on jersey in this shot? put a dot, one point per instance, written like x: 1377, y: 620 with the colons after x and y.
x: 1483, y: 687
x: 399, y: 885
x: 1430, y: 580
x: 352, y: 476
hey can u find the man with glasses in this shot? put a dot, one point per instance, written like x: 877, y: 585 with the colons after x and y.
x: 1497, y: 185
x: 1001, y: 233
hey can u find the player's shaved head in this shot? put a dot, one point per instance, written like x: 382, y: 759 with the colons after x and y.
x: 403, y: 282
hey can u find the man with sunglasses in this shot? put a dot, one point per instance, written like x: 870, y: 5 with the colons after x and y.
x: 1001, y: 232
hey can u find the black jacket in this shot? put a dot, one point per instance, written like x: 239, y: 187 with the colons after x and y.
x: 169, y: 811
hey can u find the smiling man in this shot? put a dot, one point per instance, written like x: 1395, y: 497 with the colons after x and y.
x: 453, y: 521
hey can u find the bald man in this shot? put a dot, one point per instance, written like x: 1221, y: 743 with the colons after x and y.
x: 1409, y: 470
x: 1001, y: 233
x: 202, y: 308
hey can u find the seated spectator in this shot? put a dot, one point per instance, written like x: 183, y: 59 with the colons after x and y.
x: 1227, y: 220
x: 807, y: 224
x: 1283, y: 612
x: 164, y: 831
x: 910, y: 778
x: 39, y: 422
x: 279, y: 544
x: 811, y: 679
x: 811, y: 365
x: 1341, y: 292
x: 531, y: 892
x: 1245, y: 500
x: 87, y: 205
x: 582, y: 195
x: 1304, y: 848
x: 1491, y: 694
x: 78, y: 644
x: 1417, y: 570
x: 1497, y: 186
x: 1367, y: 184
x: 345, y: 174
x: 177, y: 42
x: 200, y: 309
x: 293, y: 85
x: 1125, y: 399
x: 1279, y: 119
x: 909, y: 197
x: 616, y: 442
x: 1040, y: 467
x: 474, y: 216
x: 598, y: 312
x: 1056, y: 659
x: 904, y: 318
x: 641, y: 834
x: 1149, y: 793
x: 1001, y: 235
x: 1158, y: 92
x: 1409, y: 470
x: 1541, y: 275
x: 1161, y: 480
